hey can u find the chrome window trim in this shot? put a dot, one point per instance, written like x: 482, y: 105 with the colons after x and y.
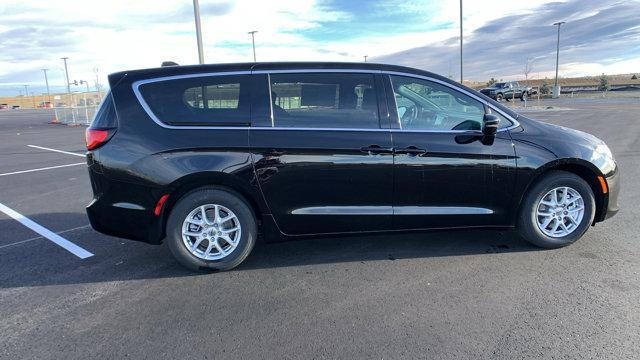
x: 136, y: 90
x: 514, y: 122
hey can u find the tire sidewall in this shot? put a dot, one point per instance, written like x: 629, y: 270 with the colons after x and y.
x: 204, y: 196
x: 528, y: 217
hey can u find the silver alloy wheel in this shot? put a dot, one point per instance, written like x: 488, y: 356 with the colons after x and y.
x: 560, y: 212
x: 211, y: 232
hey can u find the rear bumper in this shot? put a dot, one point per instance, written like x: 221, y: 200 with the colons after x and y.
x: 613, y: 183
x: 124, y: 209
x: 132, y: 224
x: 493, y: 96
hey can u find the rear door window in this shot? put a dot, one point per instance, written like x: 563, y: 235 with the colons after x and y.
x: 209, y: 100
x: 324, y: 100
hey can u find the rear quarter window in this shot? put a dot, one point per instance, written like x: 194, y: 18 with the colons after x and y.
x: 208, y: 100
x: 105, y: 117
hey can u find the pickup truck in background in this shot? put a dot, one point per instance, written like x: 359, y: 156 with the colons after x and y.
x: 507, y: 90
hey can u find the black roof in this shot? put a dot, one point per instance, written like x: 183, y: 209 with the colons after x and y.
x: 190, y: 69
x: 133, y: 75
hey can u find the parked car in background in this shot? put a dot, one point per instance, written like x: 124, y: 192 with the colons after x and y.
x: 15, y: 107
x: 507, y: 91
x: 4, y: 106
x: 206, y: 157
x: 45, y: 105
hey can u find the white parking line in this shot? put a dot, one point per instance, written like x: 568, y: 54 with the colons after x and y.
x: 44, y: 168
x: 55, y: 150
x: 42, y: 237
x: 59, y: 240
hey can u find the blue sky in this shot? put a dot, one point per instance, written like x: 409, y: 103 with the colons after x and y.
x: 101, y: 37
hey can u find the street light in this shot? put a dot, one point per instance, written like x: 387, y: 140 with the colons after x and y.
x: 253, y: 43
x: 84, y: 82
x: 26, y: 92
x: 196, y: 14
x: 556, y: 91
x: 365, y: 58
x: 46, y: 81
x: 66, y: 71
x: 461, y: 77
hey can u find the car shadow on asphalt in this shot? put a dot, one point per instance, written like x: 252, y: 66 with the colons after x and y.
x: 385, y: 247
x: 40, y: 262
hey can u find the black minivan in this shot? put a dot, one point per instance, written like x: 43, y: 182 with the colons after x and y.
x: 206, y: 157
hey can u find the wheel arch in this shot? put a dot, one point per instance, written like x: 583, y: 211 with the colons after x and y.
x: 582, y: 168
x: 187, y: 183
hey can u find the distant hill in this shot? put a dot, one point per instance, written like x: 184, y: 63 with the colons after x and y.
x: 617, y: 79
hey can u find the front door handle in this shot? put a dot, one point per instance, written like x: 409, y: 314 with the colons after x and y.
x: 411, y: 150
x: 376, y: 149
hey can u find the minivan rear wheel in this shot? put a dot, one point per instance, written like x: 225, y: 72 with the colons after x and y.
x: 211, y: 229
x: 557, y: 210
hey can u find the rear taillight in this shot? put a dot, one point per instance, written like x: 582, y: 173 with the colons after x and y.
x: 95, y: 138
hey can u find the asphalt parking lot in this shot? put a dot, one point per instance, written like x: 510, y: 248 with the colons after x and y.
x: 445, y: 295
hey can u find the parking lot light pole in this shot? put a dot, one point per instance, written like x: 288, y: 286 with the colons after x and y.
x: 253, y: 43
x: 556, y: 91
x: 26, y: 93
x: 365, y: 58
x: 461, y: 77
x: 196, y: 14
x: 66, y: 72
x: 46, y: 81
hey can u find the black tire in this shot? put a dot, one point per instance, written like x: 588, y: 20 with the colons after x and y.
x: 499, y: 98
x: 527, y: 218
x: 524, y: 96
x: 219, y: 196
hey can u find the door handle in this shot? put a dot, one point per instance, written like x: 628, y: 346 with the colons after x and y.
x: 376, y: 149
x: 411, y: 150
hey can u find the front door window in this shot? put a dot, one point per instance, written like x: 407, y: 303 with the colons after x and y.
x: 430, y: 106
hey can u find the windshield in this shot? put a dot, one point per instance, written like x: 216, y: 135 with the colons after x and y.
x: 498, y: 85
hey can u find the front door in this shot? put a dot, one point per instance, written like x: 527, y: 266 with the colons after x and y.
x: 325, y: 164
x: 445, y: 175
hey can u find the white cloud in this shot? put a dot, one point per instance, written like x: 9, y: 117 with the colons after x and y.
x: 125, y: 34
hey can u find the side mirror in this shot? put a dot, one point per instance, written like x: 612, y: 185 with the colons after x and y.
x: 490, y: 124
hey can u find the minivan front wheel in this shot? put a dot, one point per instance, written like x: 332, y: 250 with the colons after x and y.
x: 557, y: 210
x: 211, y: 229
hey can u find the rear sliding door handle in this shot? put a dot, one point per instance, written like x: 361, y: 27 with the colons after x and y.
x: 411, y: 150
x: 376, y: 149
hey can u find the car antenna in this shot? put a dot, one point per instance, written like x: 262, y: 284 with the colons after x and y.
x: 169, y: 63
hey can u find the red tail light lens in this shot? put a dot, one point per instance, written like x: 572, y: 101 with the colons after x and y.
x: 95, y: 138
